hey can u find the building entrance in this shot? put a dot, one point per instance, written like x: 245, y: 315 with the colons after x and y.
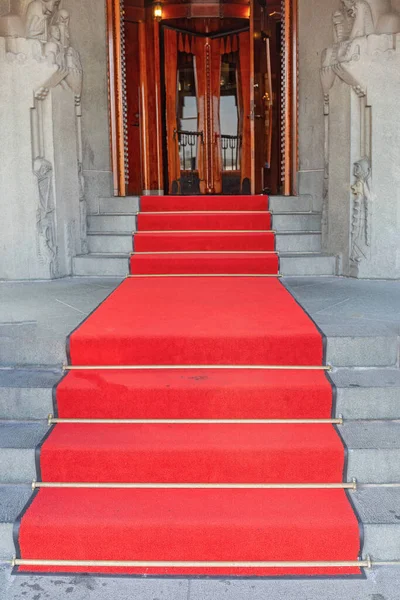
x: 202, y: 103
x: 207, y: 88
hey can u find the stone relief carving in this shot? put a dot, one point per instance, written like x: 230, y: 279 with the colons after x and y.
x: 45, y: 216
x: 357, y: 28
x: 361, y: 213
x: 40, y: 29
x: 363, y: 31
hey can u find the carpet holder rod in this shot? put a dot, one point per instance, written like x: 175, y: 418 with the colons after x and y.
x: 178, y: 367
x: 352, y: 485
x: 366, y: 563
x: 216, y: 213
x: 339, y: 421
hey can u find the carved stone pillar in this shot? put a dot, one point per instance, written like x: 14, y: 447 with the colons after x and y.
x: 43, y: 220
x: 362, y: 147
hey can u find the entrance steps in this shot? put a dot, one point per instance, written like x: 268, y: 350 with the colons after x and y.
x: 365, y: 372
x: 298, y: 238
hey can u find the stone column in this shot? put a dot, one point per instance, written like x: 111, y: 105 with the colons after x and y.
x: 43, y: 208
x: 360, y: 77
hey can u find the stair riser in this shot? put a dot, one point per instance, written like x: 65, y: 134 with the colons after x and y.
x: 296, y: 222
x: 298, y: 243
x: 97, y: 266
x: 25, y: 403
x: 367, y: 403
x: 17, y: 465
x: 308, y: 265
x: 290, y: 203
x: 119, y: 205
x: 341, y: 351
x: 380, y: 540
x: 284, y: 243
x: 110, y: 243
x: 110, y: 223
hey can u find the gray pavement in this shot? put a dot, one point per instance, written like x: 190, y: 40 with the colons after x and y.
x: 380, y: 584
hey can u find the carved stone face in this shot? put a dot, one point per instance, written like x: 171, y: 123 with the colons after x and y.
x: 63, y: 17
x: 362, y: 169
x: 349, y: 6
x: 338, y: 17
x: 55, y: 33
x: 49, y: 7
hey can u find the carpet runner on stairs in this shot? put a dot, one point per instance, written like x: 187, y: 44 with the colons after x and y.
x: 183, y: 370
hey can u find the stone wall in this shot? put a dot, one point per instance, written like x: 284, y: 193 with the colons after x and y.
x: 89, y: 38
x: 314, y: 34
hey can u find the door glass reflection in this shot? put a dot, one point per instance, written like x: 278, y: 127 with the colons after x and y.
x: 229, y: 114
x: 187, y: 114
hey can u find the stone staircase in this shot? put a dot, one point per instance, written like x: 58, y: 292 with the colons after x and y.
x: 367, y: 377
x: 298, y: 237
x: 366, y: 373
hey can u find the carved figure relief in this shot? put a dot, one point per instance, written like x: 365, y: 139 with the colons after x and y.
x: 354, y: 21
x: 46, y: 216
x: 361, y: 213
x: 40, y: 29
x: 37, y: 19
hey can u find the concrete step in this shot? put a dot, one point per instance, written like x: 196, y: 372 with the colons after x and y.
x: 13, y: 499
x: 276, y: 203
x: 291, y: 203
x: 296, y: 221
x: 367, y: 393
x: 298, y: 241
x: 115, y: 264
x: 282, y: 221
x: 18, y: 441
x: 27, y: 393
x: 303, y: 264
x: 373, y: 450
x: 116, y: 223
x: 100, y: 265
x: 112, y: 242
x: 129, y: 204
x: 378, y: 510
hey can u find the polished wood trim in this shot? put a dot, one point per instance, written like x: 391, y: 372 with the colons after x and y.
x: 134, y: 13
x: 205, y: 10
x: 295, y: 96
x: 290, y: 97
x: 158, y: 102
x: 116, y: 95
x: 144, y: 120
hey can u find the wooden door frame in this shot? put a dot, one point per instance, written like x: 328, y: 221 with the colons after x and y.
x: 290, y: 96
x: 117, y: 99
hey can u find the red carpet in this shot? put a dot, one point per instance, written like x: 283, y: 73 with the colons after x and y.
x: 217, y: 241
x: 207, y: 318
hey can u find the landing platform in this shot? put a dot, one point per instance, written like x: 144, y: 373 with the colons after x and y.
x: 36, y: 317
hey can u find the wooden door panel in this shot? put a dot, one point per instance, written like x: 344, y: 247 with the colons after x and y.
x: 170, y: 69
x: 245, y: 98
